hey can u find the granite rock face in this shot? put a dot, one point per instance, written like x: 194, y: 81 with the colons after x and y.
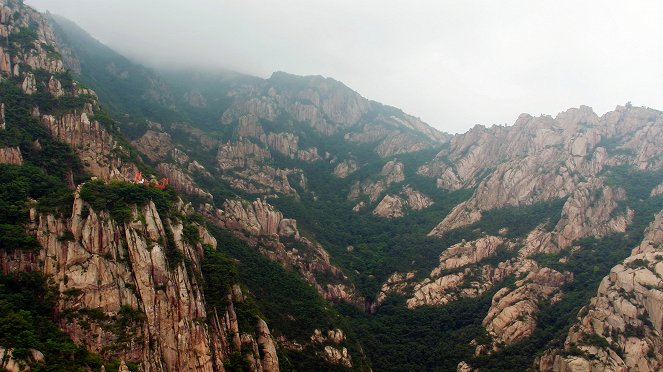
x: 541, y: 159
x: 621, y: 327
x: 394, y: 206
x: 11, y: 155
x: 121, y: 272
x: 277, y: 238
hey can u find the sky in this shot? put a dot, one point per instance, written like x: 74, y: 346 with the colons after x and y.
x: 453, y: 63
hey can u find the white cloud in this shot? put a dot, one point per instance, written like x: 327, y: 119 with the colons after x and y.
x: 453, y: 63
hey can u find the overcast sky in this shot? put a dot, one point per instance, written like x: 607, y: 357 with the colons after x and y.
x: 452, y: 63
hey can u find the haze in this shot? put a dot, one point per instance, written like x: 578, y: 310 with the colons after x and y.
x: 452, y: 63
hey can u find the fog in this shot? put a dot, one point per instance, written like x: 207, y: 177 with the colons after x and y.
x: 452, y: 63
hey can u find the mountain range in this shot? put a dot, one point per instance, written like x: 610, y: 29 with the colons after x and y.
x: 209, y: 220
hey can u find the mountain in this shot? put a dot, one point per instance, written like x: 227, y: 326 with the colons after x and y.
x: 305, y: 227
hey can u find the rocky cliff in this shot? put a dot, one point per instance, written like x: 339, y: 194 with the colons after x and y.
x: 540, y: 159
x: 11, y: 155
x: 329, y: 107
x: 278, y: 238
x: 620, y: 329
x: 122, y: 295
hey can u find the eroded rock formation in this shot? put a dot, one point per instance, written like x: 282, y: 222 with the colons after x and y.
x: 112, y: 275
x: 621, y: 327
x: 278, y: 239
x: 11, y: 155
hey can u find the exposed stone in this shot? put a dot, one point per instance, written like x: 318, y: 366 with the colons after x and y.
x: 55, y: 87
x: 621, y: 327
x: 182, y: 181
x: 3, y: 125
x: 95, y: 147
x: 415, y: 199
x: 390, y: 207
x: 278, y: 238
x: 392, y: 172
x: 512, y: 315
x: 345, y: 168
x: 338, y: 356
x: 270, y: 361
x: 11, y: 155
x: 241, y: 154
x: 29, y: 84
x: 155, y: 145
x: 466, y: 253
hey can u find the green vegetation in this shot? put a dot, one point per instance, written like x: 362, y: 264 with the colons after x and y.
x: 35, y: 142
x: 17, y: 185
x: 426, y: 338
x: 26, y: 307
x: 219, y: 274
x: 118, y: 197
x: 291, y: 306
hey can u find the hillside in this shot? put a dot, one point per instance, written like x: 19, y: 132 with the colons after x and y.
x: 305, y: 227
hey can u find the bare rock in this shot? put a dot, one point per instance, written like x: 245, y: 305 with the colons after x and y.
x: 390, y: 207
x: 512, y: 315
x: 182, y: 181
x: 3, y: 125
x: 96, y: 148
x: 155, y: 145
x: 415, y: 199
x: 345, y: 168
x: 277, y: 238
x: 55, y: 87
x: 621, y: 327
x: 29, y: 85
x: 11, y: 155
x: 392, y: 172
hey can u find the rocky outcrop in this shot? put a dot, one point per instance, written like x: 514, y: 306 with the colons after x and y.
x: 241, y: 154
x: 338, y: 356
x: 345, y: 168
x: 9, y: 363
x: 460, y: 275
x: 590, y: 211
x: 92, y: 272
x: 656, y: 191
x: 278, y: 238
x: 245, y: 167
x: 333, y: 351
x: 122, y: 298
x: 415, y: 199
x: 11, y: 155
x: 288, y: 145
x: 54, y: 87
x: 3, y: 125
x: 396, y: 283
x: 5, y: 63
x: 182, y: 181
x: 512, y: 315
x: 29, y: 85
x: 621, y: 327
x: 329, y: 108
x: 466, y: 253
x: 155, y: 145
x: 392, y: 172
x: 97, y: 149
x: 393, y: 206
x: 541, y: 159
x: 390, y: 207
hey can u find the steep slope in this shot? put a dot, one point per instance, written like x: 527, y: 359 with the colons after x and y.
x: 621, y: 327
x: 307, y: 180
x: 129, y: 272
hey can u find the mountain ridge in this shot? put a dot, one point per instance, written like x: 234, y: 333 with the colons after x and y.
x: 348, y: 234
